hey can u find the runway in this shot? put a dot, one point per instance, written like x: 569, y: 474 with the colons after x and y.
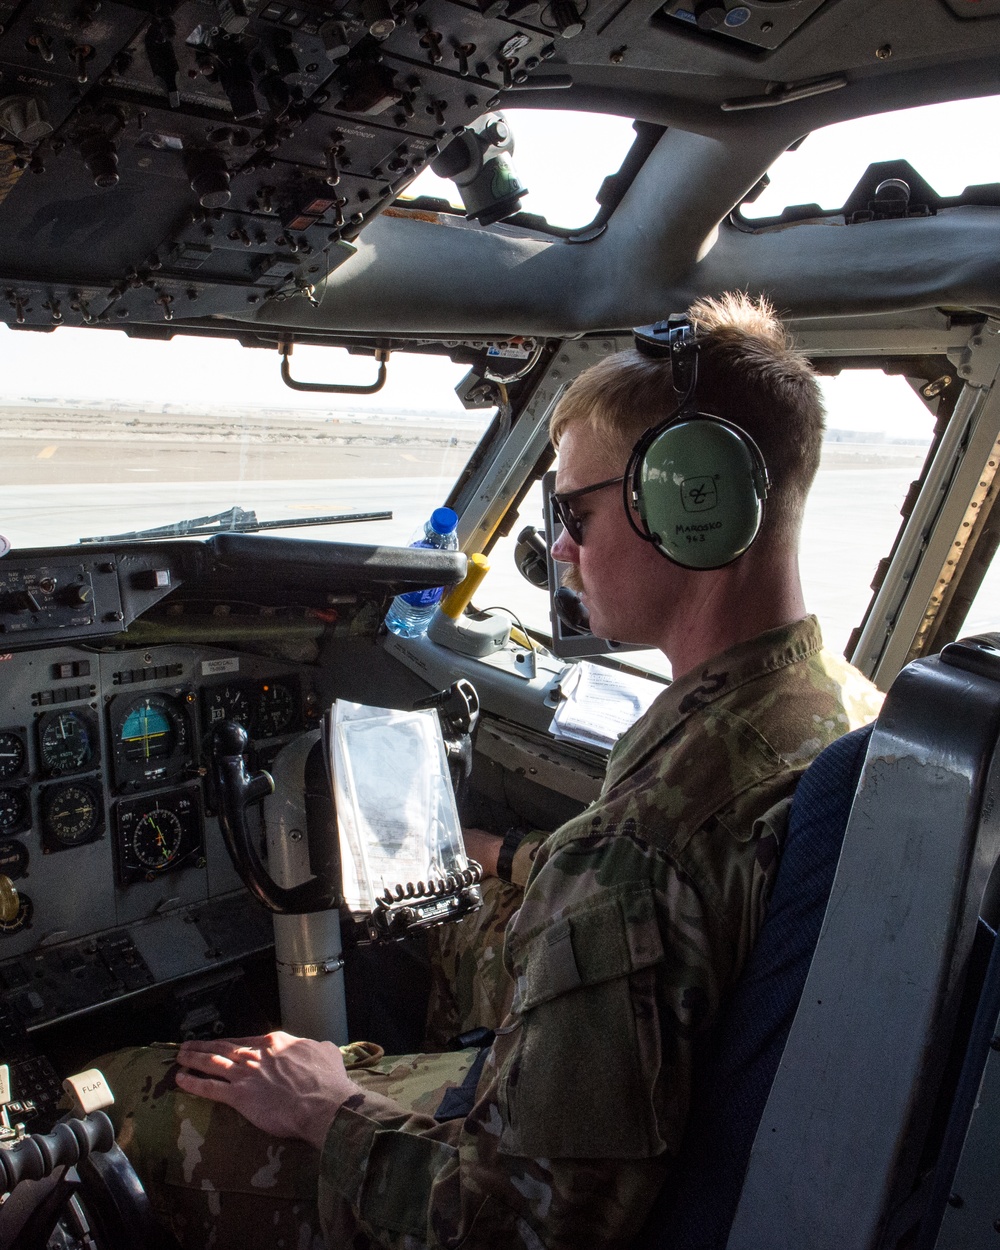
x: 66, y: 474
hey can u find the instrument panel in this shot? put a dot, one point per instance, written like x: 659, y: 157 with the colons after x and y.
x: 107, y: 819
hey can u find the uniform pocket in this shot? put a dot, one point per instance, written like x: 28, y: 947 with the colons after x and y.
x: 581, y: 1057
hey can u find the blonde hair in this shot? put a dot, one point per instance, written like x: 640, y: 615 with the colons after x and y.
x: 748, y: 372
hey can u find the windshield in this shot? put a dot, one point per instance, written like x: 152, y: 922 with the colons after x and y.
x: 943, y: 142
x: 105, y: 435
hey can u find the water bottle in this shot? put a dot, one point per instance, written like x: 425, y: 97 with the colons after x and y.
x: 410, y: 614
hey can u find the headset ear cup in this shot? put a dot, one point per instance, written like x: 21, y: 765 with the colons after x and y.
x: 700, y: 486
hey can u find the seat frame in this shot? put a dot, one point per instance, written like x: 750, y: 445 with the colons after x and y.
x: 839, y: 1146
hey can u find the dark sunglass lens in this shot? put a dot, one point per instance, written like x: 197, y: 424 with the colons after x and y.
x: 571, y: 522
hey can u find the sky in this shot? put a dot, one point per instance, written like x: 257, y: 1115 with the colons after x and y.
x: 944, y: 142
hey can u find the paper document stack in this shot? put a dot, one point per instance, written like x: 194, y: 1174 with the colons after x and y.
x: 396, y: 811
x: 600, y: 703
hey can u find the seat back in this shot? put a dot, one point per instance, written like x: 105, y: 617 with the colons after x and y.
x: 695, y: 1210
x: 840, y: 1145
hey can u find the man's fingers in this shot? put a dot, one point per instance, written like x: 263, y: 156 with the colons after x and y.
x: 221, y: 1047
x: 216, y: 1065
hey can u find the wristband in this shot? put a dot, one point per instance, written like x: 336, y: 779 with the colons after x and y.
x: 512, y: 839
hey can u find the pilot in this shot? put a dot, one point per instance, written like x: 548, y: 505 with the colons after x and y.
x: 635, y: 918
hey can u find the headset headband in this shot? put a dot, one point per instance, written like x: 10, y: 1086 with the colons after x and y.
x: 674, y: 340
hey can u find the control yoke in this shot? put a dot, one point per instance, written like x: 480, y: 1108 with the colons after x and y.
x: 237, y: 789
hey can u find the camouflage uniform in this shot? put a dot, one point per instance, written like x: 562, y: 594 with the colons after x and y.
x: 219, y: 1182
x: 470, y: 986
x: 635, y: 923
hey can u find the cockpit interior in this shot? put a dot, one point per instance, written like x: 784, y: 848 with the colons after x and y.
x: 251, y: 180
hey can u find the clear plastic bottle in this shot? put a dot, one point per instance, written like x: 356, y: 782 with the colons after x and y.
x: 410, y: 614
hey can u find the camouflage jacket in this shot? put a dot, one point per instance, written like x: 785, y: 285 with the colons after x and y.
x: 637, y: 918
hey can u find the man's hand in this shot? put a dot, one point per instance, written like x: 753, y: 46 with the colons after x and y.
x: 484, y: 848
x: 287, y: 1086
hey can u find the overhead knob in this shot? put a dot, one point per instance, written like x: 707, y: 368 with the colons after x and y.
x: 567, y: 18
x: 209, y: 179
x: 21, y: 116
x: 336, y: 42
x: 101, y: 157
x: 379, y: 17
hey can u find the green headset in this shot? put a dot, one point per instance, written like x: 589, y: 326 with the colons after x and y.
x: 695, y: 484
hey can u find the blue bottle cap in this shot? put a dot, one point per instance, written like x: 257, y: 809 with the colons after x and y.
x: 444, y: 520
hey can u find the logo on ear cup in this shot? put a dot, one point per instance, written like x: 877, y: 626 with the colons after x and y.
x: 697, y: 484
x: 699, y: 494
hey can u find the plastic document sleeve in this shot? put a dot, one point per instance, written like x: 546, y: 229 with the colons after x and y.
x: 396, y: 813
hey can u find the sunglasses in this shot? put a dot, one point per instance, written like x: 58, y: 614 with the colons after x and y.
x: 562, y: 504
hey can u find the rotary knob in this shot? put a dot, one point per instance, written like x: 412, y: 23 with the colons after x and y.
x: 80, y: 595
x: 15, y: 908
x: 10, y: 900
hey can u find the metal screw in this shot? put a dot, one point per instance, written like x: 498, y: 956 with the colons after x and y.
x: 883, y: 53
x: 618, y: 55
x: 956, y: 1200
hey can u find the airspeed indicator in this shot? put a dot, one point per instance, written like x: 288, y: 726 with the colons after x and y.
x: 67, y: 741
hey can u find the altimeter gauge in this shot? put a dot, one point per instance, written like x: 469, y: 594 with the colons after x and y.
x: 72, y: 814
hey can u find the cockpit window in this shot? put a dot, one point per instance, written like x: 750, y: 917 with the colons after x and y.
x: 561, y: 157
x: 944, y: 142
x: 105, y: 435
x: 878, y: 435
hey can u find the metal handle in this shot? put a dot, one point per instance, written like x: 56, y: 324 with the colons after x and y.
x: 332, y: 388
x: 236, y: 788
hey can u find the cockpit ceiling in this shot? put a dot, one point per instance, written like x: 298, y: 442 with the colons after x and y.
x: 164, y: 166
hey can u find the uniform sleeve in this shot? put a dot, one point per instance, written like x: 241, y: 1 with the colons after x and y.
x: 524, y: 856
x: 583, y: 1098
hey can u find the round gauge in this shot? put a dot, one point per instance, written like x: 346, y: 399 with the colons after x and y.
x: 149, y: 731
x: 158, y: 834
x: 226, y: 703
x: 66, y: 741
x: 14, y: 859
x: 71, y: 814
x: 13, y: 809
x: 150, y: 734
x: 277, y: 709
x: 156, y: 838
x: 12, y: 754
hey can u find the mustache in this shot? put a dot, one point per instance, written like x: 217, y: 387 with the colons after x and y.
x: 572, y: 580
